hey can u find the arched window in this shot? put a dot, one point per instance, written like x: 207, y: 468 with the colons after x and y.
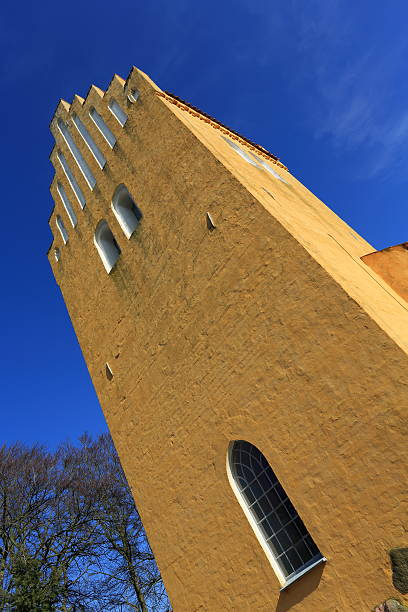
x: 107, y: 246
x: 126, y: 211
x: 60, y: 224
x: 273, y: 517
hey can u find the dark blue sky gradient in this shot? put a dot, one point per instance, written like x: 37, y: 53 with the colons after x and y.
x: 323, y: 84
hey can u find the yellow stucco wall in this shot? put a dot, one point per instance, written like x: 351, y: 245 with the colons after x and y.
x: 269, y: 329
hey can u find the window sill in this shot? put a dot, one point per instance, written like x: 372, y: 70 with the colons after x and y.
x: 307, y: 569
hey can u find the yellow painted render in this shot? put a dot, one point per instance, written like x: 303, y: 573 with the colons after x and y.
x: 269, y: 329
x: 334, y: 244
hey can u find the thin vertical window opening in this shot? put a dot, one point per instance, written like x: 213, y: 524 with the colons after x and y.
x: 102, y: 127
x: 71, y: 179
x: 67, y: 204
x: 60, y: 225
x: 273, y: 516
x: 76, y: 154
x: 87, y: 138
x: 117, y: 112
x: 108, y: 371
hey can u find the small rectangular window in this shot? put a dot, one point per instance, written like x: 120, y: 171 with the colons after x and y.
x: 72, y: 180
x: 95, y: 150
x: 102, y: 127
x: 117, y: 112
x: 76, y: 154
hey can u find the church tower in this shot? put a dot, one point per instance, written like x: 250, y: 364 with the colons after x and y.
x: 249, y: 351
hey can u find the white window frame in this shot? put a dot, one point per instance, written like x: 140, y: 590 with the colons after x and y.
x: 62, y: 229
x: 67, y: 204
x: 108, y: 255
x: 71, y: 179
x: 284, y: 581
x: 87, y: 138
x: 126, y: 218
x: 100, y: 123
x: 117, y: 111
x: 76, y: 154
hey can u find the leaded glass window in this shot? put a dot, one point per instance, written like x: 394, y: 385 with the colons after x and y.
x: 274, y: 514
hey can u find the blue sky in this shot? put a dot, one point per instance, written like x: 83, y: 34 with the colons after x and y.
x: 321, y: 83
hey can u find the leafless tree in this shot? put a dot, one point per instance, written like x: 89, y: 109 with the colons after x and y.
x: 70, y: 536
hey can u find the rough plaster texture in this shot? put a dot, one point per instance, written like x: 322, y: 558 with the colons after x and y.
x: 269, y: 328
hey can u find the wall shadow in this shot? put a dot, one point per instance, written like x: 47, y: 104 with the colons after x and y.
x: 300, y: 589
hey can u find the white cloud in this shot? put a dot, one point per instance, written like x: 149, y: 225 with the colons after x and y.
x: 355, y: 102
x: 345, y: 79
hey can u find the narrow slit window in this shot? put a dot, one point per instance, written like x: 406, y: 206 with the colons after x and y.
x: 71, y: 179
x: 102, y: 127
x: 60, y: 224
x: 106, y: 245
x: 241, y: 152
x: 117, y: 112
x: 108, y: 371
x: 278, y: 526
x: 67, y: 204
x: 57, y: 254
x: 126, y: 211
x: 76, y: 154
x: 94, y: 149
x: 264, y: 164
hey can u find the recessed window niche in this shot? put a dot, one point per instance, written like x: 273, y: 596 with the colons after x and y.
x: 268, y: 168
x: 133, y: 95
x: 106, y: 245
x: 126, y: 211
x: 67, y: 204
x: 102, y: 127
x: 60, y: 224
x: 89, y: 141
x: 76, y: 154
x: 117, y: 112
x: 108, y: 371
x: 241, y: 151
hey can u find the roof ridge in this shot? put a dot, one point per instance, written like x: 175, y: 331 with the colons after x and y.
x: 179, y: 101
